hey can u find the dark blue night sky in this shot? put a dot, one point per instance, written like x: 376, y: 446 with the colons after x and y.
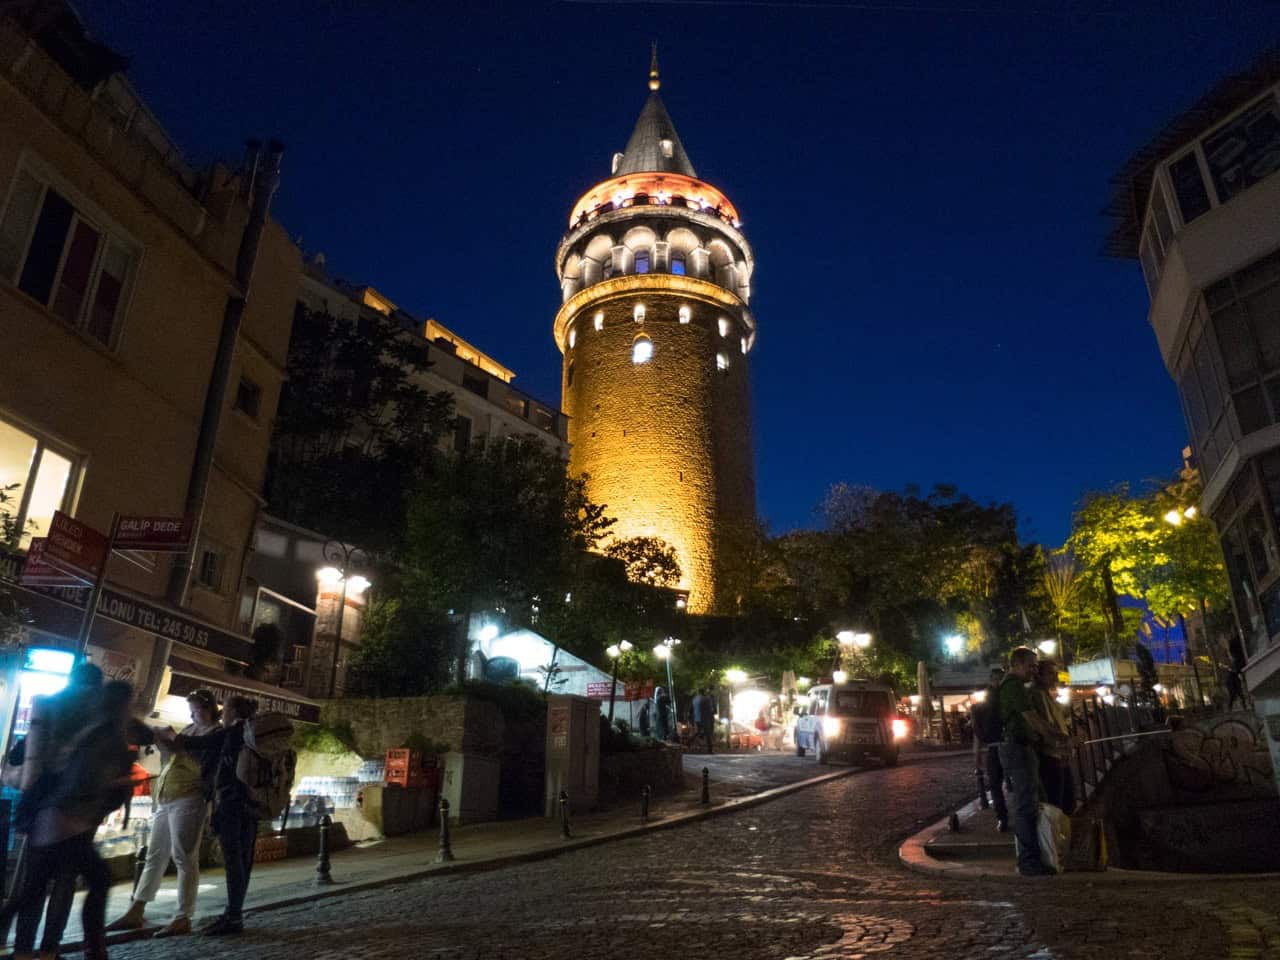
x: 921, y: 183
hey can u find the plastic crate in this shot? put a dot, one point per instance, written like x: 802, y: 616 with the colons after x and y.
x: 402, y: 756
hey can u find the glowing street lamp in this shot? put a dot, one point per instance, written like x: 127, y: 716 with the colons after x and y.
x: 735, y: 676
x: 664, y: 651
x: 954, y: 644
x: 1047, y: 647
x: 339, y: 557
x: 840, y: 676
x: 615, y: 652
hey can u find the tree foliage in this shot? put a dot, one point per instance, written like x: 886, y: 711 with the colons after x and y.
x: 354, y: 428
x: 648, y: 560
x: 404, y: 650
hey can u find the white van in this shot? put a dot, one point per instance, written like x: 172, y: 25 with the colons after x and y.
x: 849, y: 721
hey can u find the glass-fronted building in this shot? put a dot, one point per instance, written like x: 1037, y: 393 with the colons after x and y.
x: 1199, y: 208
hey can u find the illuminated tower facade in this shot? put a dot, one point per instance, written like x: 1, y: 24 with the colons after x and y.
x: 656, y: 331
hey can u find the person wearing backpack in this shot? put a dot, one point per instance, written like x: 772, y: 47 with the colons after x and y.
x: 177, y: 826
x: 87, y: 779
x: 235, y: 816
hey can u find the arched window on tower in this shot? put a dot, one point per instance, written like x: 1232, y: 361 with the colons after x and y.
x: 685, y: 314
x: 607, y: 270
x: 642, y: 261
x: 641, y: 350
x: 638, y: 313
x: 678, y: 264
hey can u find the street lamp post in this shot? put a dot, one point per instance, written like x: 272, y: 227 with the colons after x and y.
x: 339, y: 555
x: 615, y: 652
x: 663, y: 651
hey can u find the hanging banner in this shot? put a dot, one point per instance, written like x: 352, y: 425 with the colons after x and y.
x: 153, y: 534
x: 75, y: 548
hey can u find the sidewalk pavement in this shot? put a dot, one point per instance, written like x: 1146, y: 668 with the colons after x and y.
x: 737, y: 781
x: 978, y: 851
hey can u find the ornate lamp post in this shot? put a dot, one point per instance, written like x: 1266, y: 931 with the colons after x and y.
x: 663, y: 651
x: 339, y: 556
x: 615, y: 652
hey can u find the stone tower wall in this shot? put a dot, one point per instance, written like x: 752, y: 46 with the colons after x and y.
x: 666, y: 444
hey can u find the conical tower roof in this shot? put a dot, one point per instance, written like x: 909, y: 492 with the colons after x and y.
x: 654, y: 146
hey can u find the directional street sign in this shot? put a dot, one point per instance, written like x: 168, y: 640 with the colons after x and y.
x: 155, y: 534
x: 75, y: 548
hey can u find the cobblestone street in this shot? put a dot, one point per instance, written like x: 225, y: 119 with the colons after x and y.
x: 813, y: 875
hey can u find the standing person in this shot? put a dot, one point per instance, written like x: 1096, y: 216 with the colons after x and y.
x: 1018, y: 757
x: 234, y: 817
x: 89, y: 779
x: 1055, y: 750
x: 662, y: 714
x: 987, y: 734
x: 55, y: 720
x: 176, y: 826
x: 703, y: 715
x: 643, y: 721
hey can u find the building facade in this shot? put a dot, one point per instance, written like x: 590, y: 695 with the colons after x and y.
x: 1199, y: 208
x: 656, y: 331
x: 117, y: 267
x: 297, y: 581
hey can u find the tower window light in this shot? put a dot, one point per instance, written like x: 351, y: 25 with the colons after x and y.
x: 642, y: 350
x: 599, y: 320
x: 685, y: 314
x: 639, y: 313
x: 722, y: 361
x: 723, y: 323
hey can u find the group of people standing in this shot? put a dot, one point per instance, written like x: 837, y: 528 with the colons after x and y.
x: 1022, y: 737
x: 77, y: 765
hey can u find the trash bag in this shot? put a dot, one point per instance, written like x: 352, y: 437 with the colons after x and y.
x: 1053, y: 829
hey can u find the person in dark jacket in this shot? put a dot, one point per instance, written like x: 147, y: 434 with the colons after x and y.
x: 986, y: 747
x: 234, y: 818
x: 82, y: 780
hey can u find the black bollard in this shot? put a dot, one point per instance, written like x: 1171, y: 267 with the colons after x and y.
x: 982, y: 788
x: 445, y: 854
x: 565, y: 832
x: 644, y: 803
x: 953, y: 822
x: 323, y: 877
x: 706, y: 785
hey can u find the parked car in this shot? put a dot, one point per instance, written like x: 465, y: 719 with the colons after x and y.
x: 850, y: 721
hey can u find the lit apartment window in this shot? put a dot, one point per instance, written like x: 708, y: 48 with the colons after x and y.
x: 599, y: 320
x: 63, y: 258
x: 642, y: 261
x: 722, y: 361
x: 723, y: 324
x: 248, y: 398
x: 36, y: 478
x: 642, y: 350
x: 639, y: 313
x: 685, y: 314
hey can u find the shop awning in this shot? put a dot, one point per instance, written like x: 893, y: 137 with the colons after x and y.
x: 188, y: 676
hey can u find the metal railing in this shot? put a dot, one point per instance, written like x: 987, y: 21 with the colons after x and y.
x: 1101, y: 735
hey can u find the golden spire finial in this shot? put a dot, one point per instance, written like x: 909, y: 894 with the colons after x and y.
x: 654, y: 83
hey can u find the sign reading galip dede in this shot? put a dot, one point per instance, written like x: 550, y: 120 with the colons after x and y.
x: 153, y: 534
x: 75, y: 548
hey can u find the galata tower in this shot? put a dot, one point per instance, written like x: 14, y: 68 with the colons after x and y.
x: 656, y: 330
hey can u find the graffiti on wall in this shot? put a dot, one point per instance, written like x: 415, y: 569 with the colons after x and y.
x: 1230, y: 751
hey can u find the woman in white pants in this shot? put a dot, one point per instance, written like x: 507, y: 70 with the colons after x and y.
x: 176, y: 827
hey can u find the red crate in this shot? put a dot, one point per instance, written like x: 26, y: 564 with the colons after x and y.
x: 403, y: 775
x: 403, y: 757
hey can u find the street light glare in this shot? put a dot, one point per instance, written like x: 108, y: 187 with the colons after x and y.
x: 840, y: 676
x: 1047, y: 647
x: 845, y: 637
x: 662, y: 651
x: 862, y: 640
x: 329, y: 576
x: 488, y: 632
x: 1173, y: 517
x: 734, y: 675
x: 357, y: 584
x: 626, y: 646
x: 954, y: 644
x: 613, y: 650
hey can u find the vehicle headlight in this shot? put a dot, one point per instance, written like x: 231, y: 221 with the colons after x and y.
x: 831, y: 726
x: 900, y: 728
